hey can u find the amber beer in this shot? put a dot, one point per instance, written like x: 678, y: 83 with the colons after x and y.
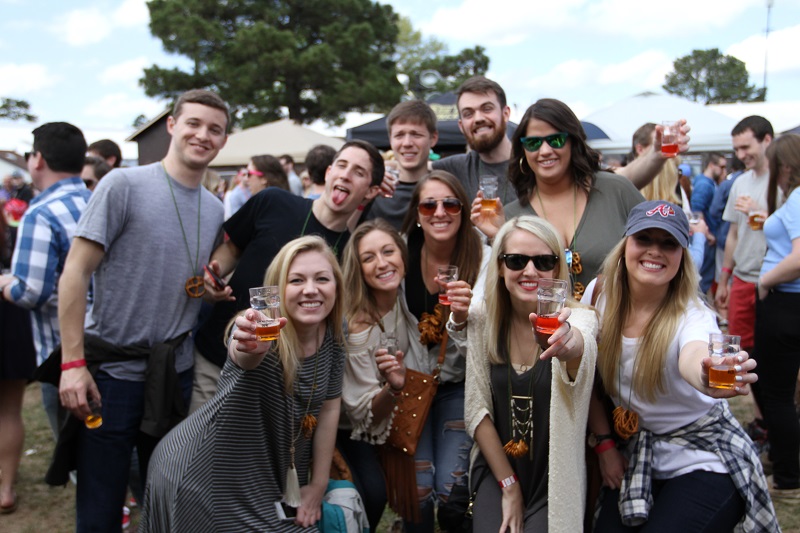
x: 488, y: 206
x: 94, y: 420
x: 269, y: 332
x: 756, y: 221
x: 722, y: 377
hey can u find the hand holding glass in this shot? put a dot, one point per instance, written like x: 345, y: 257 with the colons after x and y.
x: 267, y: 302
x: 722, y: 375
x: 669, y: 137
x: 488, y: 186
x: 388, y: 341
x: 551, y: 295
x: 446, y: 274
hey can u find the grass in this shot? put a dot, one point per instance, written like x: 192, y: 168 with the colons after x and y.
x: 52, y: 509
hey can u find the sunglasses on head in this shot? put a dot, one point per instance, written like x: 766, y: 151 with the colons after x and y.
x: 542, y: 263
x: 452, y: 206
x: 556, y: 140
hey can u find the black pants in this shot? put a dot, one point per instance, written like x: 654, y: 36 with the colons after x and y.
x: 778, y: 356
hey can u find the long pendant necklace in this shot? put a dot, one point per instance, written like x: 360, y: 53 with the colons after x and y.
x: 520, y: 416
x: 626, y: 421
x: 306, y: 430
x: 194, y: 285
x: 335, y: 246
x: 570, y: 253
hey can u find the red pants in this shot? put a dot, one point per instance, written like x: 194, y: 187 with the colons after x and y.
x: 742, y: 312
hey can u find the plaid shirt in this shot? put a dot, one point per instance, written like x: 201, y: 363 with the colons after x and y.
x: 716, y: 431
x: 43, y: 239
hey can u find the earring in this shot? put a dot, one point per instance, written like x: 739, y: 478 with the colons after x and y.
x: 419, y: 225
x: 521, y: 159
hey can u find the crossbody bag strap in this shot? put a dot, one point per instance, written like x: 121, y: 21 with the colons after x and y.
x: 442, y: 352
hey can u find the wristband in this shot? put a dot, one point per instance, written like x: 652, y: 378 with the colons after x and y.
x: 455, y: 324
x: 726, y: 270
x: 507, y: 482
x: 605, y: 446
x: 360, y: 208
x: 73, y: 364
x: 394, y: 392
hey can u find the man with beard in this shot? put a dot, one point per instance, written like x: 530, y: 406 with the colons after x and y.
x: 483, y: 117
x: 268, y: 220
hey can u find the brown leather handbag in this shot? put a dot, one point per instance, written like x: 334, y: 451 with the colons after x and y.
x: 414, y: 404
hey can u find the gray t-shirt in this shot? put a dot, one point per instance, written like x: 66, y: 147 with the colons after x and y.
x: 752, y: 245
x: 603, y: 222
x: 469, y: 167
x: 139, y: 286
x: 394, y: 209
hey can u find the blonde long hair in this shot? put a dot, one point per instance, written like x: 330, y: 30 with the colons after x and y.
x: 659, y: 332
x: 663, y: 186
x: 497, y: 298
x: 288, y: 343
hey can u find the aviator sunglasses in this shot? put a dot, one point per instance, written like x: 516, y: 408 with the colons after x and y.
x: 542, y: 263
x: 452, y: 206
x: 556, y: 140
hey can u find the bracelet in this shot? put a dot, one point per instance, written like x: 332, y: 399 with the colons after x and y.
x: 360, y: 207
x: 455, y: 324
x: 73, y: 364
x: 393, y: 391
x: 507, y: 482
x: 605, y: 446
x: 726, y: 270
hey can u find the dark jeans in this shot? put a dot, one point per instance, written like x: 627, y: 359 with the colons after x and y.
x: 362, y: 458
x: 694, y: 502
x: 778, y: 357
x: 104, y: 455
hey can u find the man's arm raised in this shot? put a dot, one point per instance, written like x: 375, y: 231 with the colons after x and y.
x: 77, y: 384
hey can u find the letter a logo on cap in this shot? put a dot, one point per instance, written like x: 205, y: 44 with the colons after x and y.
x: 663, y: 209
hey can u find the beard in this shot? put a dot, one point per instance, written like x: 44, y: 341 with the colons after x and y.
x: 487, y: 144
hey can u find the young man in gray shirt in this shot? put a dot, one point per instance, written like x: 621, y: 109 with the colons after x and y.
x: 145, y: 237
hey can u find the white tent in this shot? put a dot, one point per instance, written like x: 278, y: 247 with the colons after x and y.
x: 276, y: 138
x: 784, y: 115
x: 711, y: 130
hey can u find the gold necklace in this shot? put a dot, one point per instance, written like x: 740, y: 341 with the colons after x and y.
x: 520, y: 413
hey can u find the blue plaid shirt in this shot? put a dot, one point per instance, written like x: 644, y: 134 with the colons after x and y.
x: 43, y: 239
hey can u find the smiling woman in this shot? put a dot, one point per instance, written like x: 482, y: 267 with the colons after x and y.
x: 557, y: 177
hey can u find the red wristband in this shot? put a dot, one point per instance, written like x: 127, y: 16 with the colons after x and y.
x: 360, y: 207
x: 726, y: 270
x: 507, y: 482
x: 73, y: 364
x: 605, y: 446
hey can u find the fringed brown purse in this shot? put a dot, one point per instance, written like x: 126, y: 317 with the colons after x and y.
x: 397, y: 456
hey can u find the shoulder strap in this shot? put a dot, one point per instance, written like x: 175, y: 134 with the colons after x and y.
x: 598, y: 288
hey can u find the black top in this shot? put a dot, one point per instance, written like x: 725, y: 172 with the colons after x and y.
x: 532, y: 473
x: 263, y: 225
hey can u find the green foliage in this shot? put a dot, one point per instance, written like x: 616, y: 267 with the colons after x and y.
x: 316, y: 58
x: 12, y: 109
x: 709, y: 77
x: 416, y: 54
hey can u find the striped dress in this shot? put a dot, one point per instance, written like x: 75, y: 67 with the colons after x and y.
x: 223, y: 468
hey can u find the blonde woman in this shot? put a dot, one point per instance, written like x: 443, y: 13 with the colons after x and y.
x: 226, y: 466
x: 688, y: 465
x: 528, y: 396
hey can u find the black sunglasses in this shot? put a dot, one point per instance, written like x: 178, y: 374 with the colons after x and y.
x: 556, y: 140
x: 452, y: 206
x: 542, y: 263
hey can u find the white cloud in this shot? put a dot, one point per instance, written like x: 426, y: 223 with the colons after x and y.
x: 123, y: 107
x: 782, y: 54
x: 125, y: 73
x: 131, y: 13
x: 83, y: 26
x: 642, y: 71
x: 18, y: 80
x: 508, y: 22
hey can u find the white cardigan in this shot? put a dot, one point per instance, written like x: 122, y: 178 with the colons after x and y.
x: 569, y: 410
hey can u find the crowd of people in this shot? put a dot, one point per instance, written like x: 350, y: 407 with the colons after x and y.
x: 607, y: 423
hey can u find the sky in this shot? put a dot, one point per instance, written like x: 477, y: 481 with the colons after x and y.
x: 80, y: 61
